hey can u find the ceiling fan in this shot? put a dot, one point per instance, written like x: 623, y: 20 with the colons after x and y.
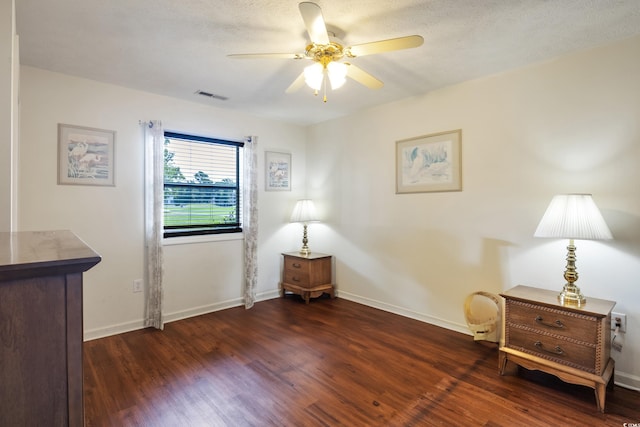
x: 327, y: 54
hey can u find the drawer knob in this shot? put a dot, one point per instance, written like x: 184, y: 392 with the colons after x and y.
x: 295, y: 279
x: 557, y: 350
x: 296, y: 265
x: 557, y: 324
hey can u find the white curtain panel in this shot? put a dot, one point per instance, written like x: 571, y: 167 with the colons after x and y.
x: 153, y: 201
x: 250, y: 220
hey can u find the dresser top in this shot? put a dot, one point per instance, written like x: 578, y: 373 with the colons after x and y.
x: 595, y: 306
x: 41, y: 252
x: 312, y: 255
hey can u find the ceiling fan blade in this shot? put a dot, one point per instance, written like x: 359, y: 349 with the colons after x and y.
x: 313, y: 20
x: 384, y: 46
x: 297, y: 84
x: 362, y: 77
x: 267, y: 55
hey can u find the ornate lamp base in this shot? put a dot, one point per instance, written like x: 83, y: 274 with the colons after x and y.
x: 571, y: 294
x: 305, y: 249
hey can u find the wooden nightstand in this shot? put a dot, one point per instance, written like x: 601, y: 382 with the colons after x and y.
x: 571, y: 343
x: 308, y: 276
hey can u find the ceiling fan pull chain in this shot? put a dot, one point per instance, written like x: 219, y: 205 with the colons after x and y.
x: 324, y: 88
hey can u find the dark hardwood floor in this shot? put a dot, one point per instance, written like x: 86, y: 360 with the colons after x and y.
x: 329, y: 363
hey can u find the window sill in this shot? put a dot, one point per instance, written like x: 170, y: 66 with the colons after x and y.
x: 205, y: 238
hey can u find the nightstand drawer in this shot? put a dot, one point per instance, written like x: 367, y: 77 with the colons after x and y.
x: 300, y: 278
x: 296, y: 264
x: 579, y: 327
x: 572, y: 353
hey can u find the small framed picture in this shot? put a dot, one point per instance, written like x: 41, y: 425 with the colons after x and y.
x: 277, y: 171
x: 86, y: 156
x: 429, y: 163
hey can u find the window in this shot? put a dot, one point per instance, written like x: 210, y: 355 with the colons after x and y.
x: 201, y: 185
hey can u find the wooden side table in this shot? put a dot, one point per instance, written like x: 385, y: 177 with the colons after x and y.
x: 307, y: 275
x: 572, y: 343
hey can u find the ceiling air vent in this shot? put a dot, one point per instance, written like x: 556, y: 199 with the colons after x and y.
x: 211, y: 95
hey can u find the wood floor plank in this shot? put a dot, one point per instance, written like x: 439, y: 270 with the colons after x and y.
x: 332, y: 362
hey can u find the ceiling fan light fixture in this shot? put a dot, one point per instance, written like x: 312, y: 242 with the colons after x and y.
x: 326, y: 51
x: 313, y: 76
x: 337, y: 72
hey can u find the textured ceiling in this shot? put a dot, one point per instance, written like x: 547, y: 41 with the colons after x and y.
x: 175, y: 48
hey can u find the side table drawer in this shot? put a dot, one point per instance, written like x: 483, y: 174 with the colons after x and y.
x: 300, y: 278
x: 579, y: 355
x: 576, y: 326
x: 296, y: 265
x: 296, y: 271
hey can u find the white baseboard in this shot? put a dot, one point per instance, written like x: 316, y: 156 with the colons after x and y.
x: 625, y: 380
x: 135, y: 325
x: 406, y: 313
x: 120, y: 328
x: 263, y: 296
x: 203, y: 309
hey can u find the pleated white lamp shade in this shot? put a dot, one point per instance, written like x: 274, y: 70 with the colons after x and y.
x: 573, y: 216
x: 304, y: 211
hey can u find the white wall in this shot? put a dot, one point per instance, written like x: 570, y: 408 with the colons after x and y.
x: 9, y: 60
x: 569, y: 125
x: 199, y: 277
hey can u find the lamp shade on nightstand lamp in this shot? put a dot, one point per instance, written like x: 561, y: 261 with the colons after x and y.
x: 572, y: 216
x: 304, y: 212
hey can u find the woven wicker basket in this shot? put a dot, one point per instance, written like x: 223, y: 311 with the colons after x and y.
x: 485, y: 327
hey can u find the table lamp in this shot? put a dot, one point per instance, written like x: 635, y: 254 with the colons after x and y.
x: 572, y: 216
x: 304, y: 212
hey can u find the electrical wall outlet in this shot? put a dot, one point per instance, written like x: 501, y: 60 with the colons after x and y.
x: 619, y: 318
x: 137, y: 285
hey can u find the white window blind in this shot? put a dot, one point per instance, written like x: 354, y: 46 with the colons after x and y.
x: 201, y: 185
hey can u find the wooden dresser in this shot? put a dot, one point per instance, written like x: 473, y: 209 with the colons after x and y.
x: 572, y: 343
x: 307, y: 275
x: 41, y: 327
